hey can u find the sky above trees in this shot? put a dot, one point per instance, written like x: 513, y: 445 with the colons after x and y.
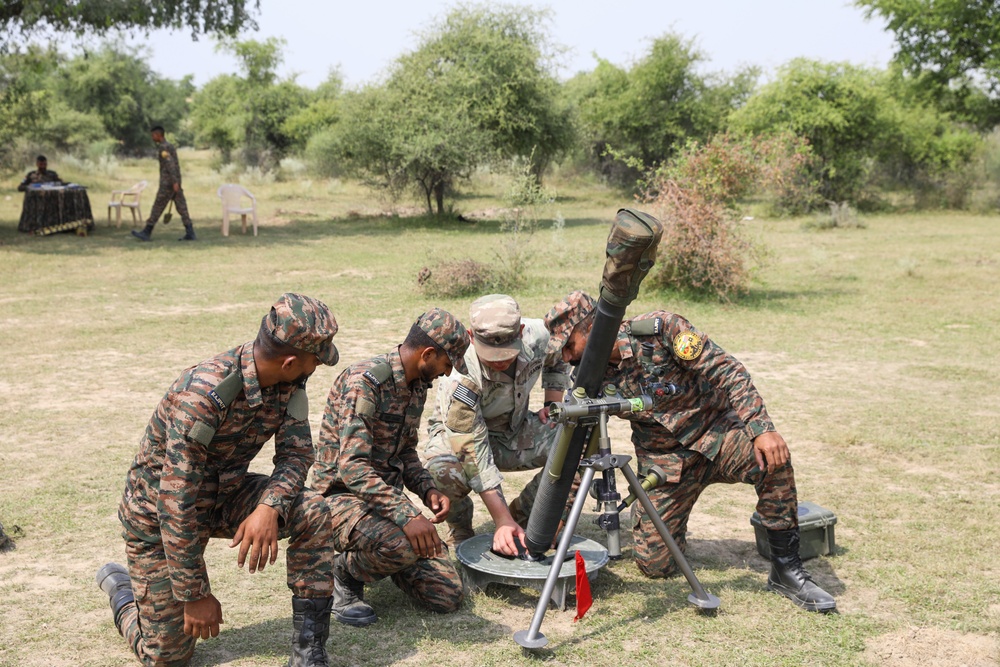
x: 364, y: 38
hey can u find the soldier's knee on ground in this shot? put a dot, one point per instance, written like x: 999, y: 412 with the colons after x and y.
x: 446, y: 604
x: 657, y: 569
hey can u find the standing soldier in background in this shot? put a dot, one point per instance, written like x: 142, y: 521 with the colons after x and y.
x: 708, y: 425
x: 365, y: 455
x: 170, y: 189
x: 189, y: 482
x: 481, y: 424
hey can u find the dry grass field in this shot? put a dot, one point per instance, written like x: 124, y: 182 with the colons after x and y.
x: 876, y: 349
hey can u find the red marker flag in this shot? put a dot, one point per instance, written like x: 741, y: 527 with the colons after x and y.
x: 583, y: 598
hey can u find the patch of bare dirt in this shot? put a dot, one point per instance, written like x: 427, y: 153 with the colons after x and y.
x: 933, y: 647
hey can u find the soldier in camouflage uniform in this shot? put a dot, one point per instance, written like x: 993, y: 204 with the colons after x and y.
x: 482, y: 425
x: 714, y: 430
x: 170, y: 189
x: 189, y: 482
x: 42, y: 174
x: 366, y: 454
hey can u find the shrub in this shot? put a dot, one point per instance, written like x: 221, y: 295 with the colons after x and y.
x: 697, y: 196
x: 839, y: 216
x: 453, y: 279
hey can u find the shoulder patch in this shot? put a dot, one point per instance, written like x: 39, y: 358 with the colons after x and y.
x: 379, y: 372
x: 298, y: 405
x: 688, y: 345
x: 652, y: 326
x: 202, y: 433
x: 466, y: 395
x: 227, y: 390
x: 164, y: 154
x: 364, y: 407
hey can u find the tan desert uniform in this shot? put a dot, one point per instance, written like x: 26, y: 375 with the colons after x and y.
x: 482, y: 425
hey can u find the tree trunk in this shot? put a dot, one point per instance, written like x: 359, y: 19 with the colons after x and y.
x: 439, y: 196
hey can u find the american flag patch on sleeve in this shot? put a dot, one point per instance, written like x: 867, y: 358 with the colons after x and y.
x: 466, y: 395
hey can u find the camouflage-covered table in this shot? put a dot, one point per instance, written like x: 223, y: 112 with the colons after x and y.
x: 60, y: 208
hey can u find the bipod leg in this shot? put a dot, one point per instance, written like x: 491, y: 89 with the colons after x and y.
x: 532, y: 638
x: 699, y: 597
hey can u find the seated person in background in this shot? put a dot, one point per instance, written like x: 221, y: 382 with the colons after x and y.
x: 40, y: 175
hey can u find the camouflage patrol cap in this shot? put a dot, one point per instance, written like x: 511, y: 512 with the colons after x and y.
x: 564, y: 316
x: 304, y: 323
x: 496, y: 327
x: 447, y: 333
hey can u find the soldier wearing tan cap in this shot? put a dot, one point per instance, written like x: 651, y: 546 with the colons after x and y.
x: 365, y: 456
x: 189, y: 482
x: 482, y: 424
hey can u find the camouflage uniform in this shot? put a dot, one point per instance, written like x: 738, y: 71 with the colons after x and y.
x: 189, y: 482
x: 481, y: 423
x: 36, y: 176
x: 365, y: 455
x: 170, y: 173
x: 704, y: 435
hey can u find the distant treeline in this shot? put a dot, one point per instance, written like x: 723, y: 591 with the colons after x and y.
x: 480, y: 89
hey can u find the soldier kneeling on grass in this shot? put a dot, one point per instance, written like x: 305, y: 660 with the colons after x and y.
x: 189, y: 482
x: 713, y: 429
x: 366, y: 454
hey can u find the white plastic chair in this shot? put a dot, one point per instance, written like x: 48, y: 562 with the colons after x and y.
x: 232, y: 199
x: 129, y: 199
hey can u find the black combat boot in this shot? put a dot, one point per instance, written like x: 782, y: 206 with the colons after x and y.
x: 349, y: 606
x: 310, y: 630
x: 113, y: 579
x: 146, y: 234
x: 188, y: 233
x: 789, y: 578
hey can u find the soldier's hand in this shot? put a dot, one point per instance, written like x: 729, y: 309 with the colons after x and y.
x: 177, y: 188
x: 203, y: 617
x: 438, y: 503
x: 507, y: 537
x: 258, y: 538
x: 771, y: 451
x: 423, y: 537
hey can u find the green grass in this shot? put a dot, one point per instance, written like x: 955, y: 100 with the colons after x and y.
x: 876, y: 350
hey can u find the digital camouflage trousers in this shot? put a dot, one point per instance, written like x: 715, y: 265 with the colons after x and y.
x: 376, y: 548
x: 163, y: 196
x: 154, y: 626
x: 735, y: 463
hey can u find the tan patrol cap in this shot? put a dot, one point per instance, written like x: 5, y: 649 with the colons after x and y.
x: 496, y: 327
x: 304, y: 323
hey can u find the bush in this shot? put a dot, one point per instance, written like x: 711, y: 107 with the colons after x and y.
x: 454, y: 279
x: 323, y: 153
x: 697, y: 196
x: 839, y: 216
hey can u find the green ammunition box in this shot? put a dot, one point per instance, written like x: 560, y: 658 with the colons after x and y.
x: 816, y: 537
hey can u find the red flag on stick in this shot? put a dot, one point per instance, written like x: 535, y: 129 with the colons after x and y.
x: 583, y: 598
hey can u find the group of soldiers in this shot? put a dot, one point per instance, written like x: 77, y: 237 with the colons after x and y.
x: 354, y: 523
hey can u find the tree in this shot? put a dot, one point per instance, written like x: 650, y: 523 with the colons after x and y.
x: 23, y: 18
x: 835, y: 107
x: 249, y: 111
x: 950, y: 47
x: 952, y: 39
x: 859, y: 123
x: 116, y: 84
x: 653, y: 108
x: 479, y: 87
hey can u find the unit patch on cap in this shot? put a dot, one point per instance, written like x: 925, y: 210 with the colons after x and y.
x: 688, y: 345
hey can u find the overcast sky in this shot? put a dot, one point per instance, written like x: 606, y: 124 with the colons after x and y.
x: 363, y: 38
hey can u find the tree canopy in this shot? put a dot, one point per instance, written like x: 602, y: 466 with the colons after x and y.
x: 22, y: 18
x: 951, y: 39
x: 478, y: 88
